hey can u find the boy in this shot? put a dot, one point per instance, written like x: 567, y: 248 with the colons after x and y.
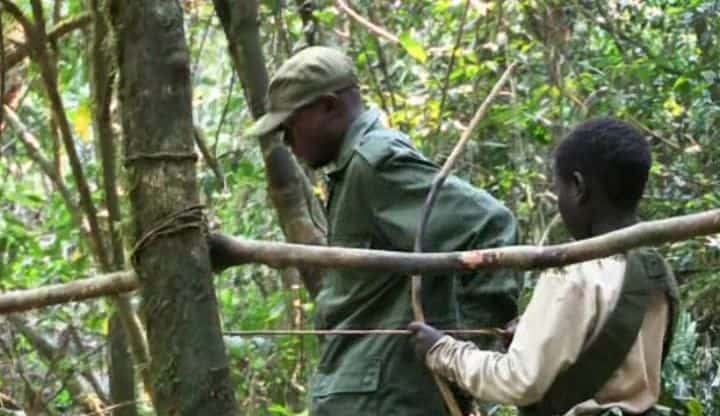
x: 594, y: 335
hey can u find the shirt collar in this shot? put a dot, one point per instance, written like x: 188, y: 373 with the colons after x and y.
x: 361, y: 125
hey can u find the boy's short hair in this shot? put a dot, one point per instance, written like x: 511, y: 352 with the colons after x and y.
x: 608, y: 152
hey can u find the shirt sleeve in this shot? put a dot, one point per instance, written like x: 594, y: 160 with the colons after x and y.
x: 549, y: 338
x: 463, y: 218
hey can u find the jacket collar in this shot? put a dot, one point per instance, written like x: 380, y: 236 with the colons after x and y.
x: 361, y: 125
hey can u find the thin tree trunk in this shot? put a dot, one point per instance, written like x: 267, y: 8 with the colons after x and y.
x: 189, y: 363
x: 122, y: 386
x: 299, y: 212
x: 122, y: 374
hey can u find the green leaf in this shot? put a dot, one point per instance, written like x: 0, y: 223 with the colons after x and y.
x: 694, y: 408
x: 413, y: 48
x: 277, y: 409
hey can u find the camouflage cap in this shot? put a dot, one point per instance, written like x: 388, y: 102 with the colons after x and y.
x: 302, y: 79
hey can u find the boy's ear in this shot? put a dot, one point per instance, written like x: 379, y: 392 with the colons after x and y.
x: 582, y: 191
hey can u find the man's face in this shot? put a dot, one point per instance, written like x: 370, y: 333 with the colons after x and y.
x: 312, y: 134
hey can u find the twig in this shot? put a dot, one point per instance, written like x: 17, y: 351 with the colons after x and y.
x: 370, y: 26
x: 446, y: 82
x: 110, y: 408
x: 20, y: 370
x: 226, y: 109
x: 37, y: 40
x: 87, y: 373
x: 279, y: 332
x: 58, y: 31
x: 50, y: 352
x: 373, y: 77
x: 282, y: 255
x: 382, y: 62
x: 33, y: 150
x: 544, y: 237
x: 654, y: 133
x: 209, y: 159
x: 196, y: 62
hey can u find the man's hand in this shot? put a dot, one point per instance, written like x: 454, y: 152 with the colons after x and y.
x: 220, y: 253
x: 424, y: 337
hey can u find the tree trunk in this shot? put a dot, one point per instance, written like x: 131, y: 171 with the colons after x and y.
x: 189, y: 363
x: 122, y: 375
x: 299, y: 212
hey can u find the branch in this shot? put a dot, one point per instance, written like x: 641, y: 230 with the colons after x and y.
x: 224, y: 113
x: 15, y: 12
x: 207, y: 155
x: 38, y: 41
x: 453, y: 52
x: 103, y: 285
x: 382, y: 63
x: 370, y: 26
x: 69, y: 25
x: 416, y: 283
x: 282, y: 255
x: 101, y: 80
x: 33, y: 149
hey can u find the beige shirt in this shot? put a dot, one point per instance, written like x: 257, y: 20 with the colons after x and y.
x: 567, y: 310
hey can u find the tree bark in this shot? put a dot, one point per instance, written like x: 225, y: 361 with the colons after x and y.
x: 281, y: 255
x: 122, y: 386
x: 189, y: 363
x: 122, y: 374
x: 299, y: 212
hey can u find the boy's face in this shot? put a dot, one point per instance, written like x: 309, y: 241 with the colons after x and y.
x: 572, y: 197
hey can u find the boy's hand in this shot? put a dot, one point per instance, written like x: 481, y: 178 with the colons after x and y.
x: 424, y: 337
x: 220, y: 254
x: 509, y: 332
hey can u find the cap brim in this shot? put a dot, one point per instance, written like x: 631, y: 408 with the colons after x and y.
x: 268, y: 123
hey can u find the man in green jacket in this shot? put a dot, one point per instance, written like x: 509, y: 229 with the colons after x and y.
x: 377, y: 184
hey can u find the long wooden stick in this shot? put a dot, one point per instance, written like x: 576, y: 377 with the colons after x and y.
x: 280, y: 332
x: 81, y: 289
x: 282, y: 255
x: 438, y: 181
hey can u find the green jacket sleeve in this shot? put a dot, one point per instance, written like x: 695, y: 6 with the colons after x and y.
x: 463, y: 218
